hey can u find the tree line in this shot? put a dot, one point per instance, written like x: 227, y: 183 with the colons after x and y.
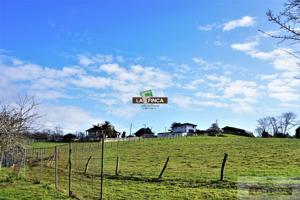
x: 278, y: 126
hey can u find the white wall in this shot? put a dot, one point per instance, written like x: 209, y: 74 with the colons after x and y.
x: 184, y: 129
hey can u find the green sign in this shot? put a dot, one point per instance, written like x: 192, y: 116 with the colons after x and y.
x: 147, y: 93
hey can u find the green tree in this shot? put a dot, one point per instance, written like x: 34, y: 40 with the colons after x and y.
x: 109, y: 130
x: 214, y: 129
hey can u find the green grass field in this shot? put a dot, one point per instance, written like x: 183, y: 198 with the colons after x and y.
x: 14, y: 187
x: 192, y: 172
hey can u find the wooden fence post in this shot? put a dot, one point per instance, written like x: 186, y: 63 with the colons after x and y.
x: 41, y: 152
x: 56, y: 167
x: 2, y: 158
x: 70, y: 169
x: 165, y: 166
x: 102, y: 167
x: 223, y: 167
x: 87, y: 165
x: 24, y: 162
x: 117, y: 166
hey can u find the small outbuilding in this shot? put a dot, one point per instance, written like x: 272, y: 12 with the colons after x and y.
x: 297, y: 132
x: 237, y: 131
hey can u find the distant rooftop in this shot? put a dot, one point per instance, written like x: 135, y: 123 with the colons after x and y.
x: 184, y: 124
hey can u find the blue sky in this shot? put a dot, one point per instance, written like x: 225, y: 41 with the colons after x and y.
x: 85, y: 60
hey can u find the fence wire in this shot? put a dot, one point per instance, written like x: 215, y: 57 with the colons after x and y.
x: 75, y: 168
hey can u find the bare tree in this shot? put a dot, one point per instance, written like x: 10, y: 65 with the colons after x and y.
x: 15, y: 120
x: 263, y: 126
x: 274, y: 125
x: 288, y: 21
x: 277, y: 126
x: 287, y: 121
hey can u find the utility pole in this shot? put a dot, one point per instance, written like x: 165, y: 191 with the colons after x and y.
x: 130, y: 128
x: 144, y: 128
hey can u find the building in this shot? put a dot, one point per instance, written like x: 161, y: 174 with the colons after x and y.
x: 144, y: 132
x: 169, y: 134
x: 94, y: 133
x: 237, y: 131
x: 183, y: 128
x: 179, y: 129
x: 297, y: 132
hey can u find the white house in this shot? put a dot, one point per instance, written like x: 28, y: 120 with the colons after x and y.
x: 183, y: 128
x: 179, y: 129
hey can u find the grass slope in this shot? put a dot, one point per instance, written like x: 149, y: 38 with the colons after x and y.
x: 13, y: 187
x: 192, y: 173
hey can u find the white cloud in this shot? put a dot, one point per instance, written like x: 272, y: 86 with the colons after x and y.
x: 86, y: 60
x: 70, y: 118
x: 188, y: 102
x: 193, y: 84
x: 207, y: 95
x: 181, y: 70
x: 284, y: 90
x: 218, y: 82
x: 49, y: 94
x: 51, y: 83
x: 91, y: 82
x: 268, y: 76
x: 112, y: 68
x: 282, y: 85
x: 226, y: 93
x: 243, y: 89
x: 205, y: 28
x: 205, y: 65
x: 165, y: 58
x: 120, y: 59
x: 242, y: 108
x: 223, y: 93
x: 245, y: 21
x: 200, y: 61
x: 182, y: 101
x: 212, y: 103
x: 248, y: 46
x: 124, y: 112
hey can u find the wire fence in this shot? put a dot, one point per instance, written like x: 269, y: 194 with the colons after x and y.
x: 75, y: 168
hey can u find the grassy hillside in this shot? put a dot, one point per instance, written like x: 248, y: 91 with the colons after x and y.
x: 12, y: 187
x: 192, y: 173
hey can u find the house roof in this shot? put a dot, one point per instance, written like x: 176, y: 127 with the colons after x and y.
x: 185, y: 124
x: 233, y: 128
x: 95, y: 128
